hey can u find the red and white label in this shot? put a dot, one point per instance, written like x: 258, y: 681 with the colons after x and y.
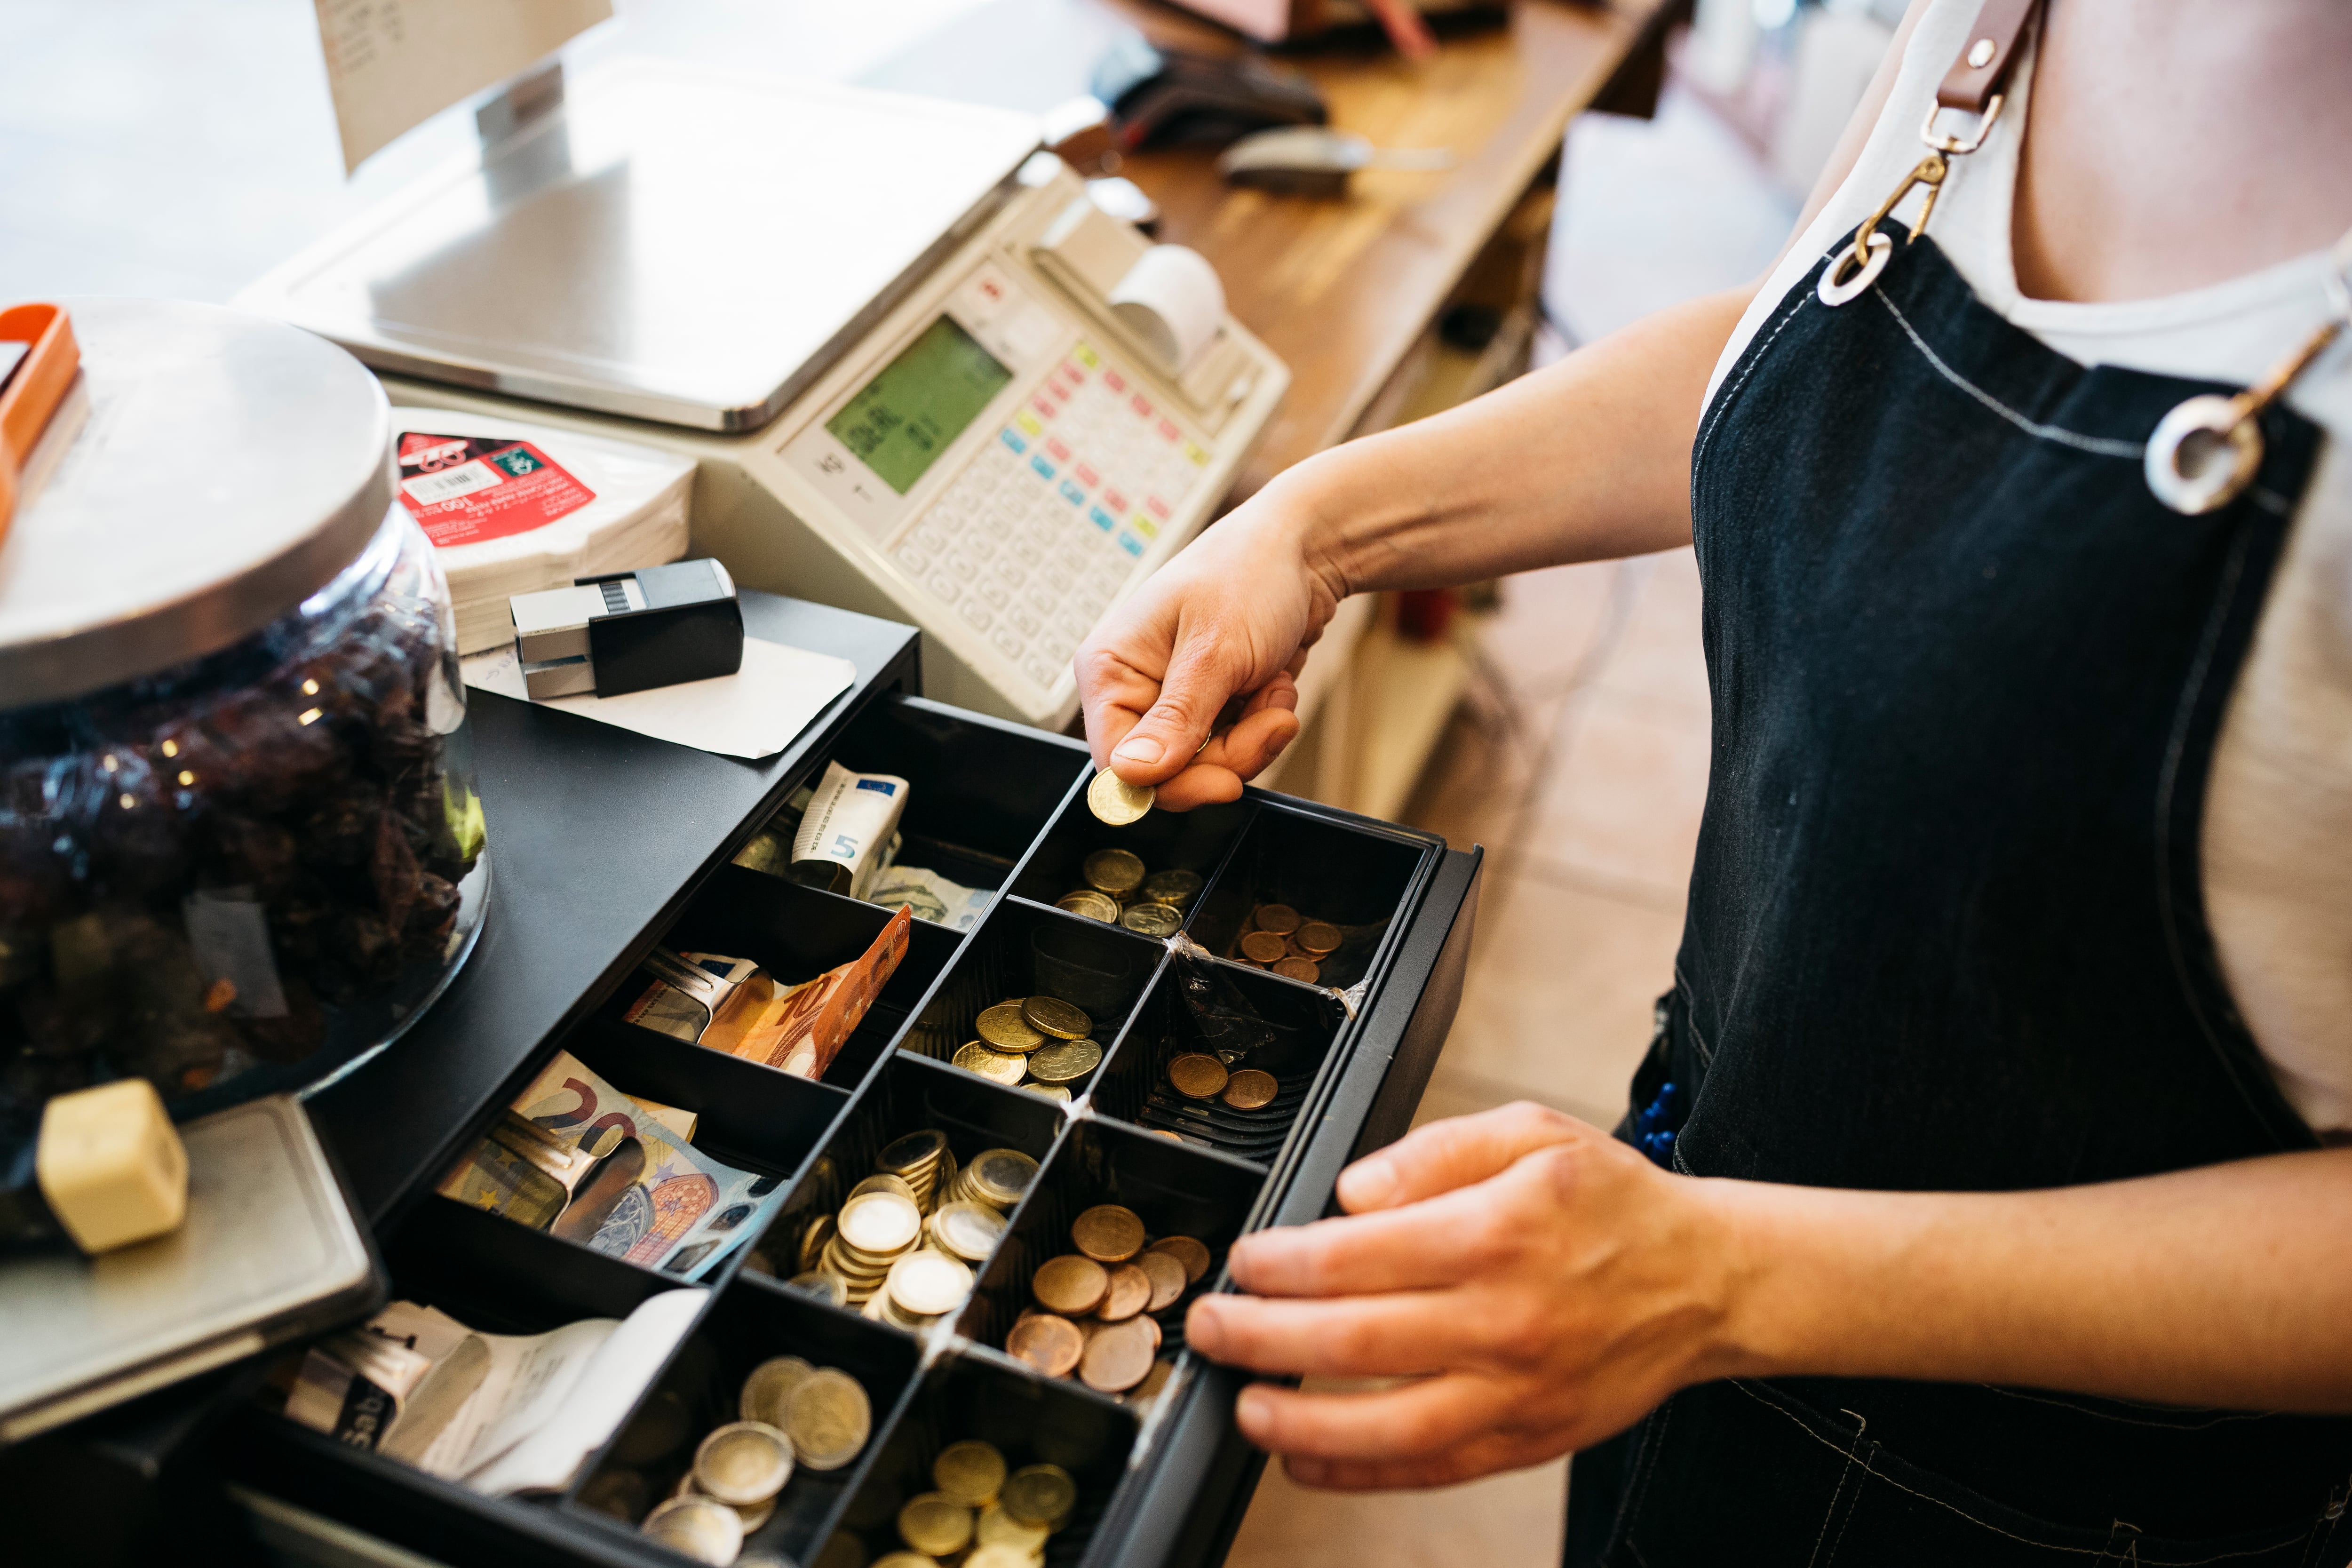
x: 465, y: 489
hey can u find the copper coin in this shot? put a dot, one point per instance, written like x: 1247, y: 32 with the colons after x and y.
x: 1051, y: 1344
x: 1167, y: 1276
x: 1197, y: 1076
x: 1069, y: 1284
x: 1153, y: 1324
x: 1119, y: 1357
x: 1279, y: 918
x: 1186, y: 1252
x: 1298, y: 969
x: 1108, y: 1234
x: 1128, y: 1293
x: 1317, y: 938
x: 1250, y: 1089
x: 1262, y: 947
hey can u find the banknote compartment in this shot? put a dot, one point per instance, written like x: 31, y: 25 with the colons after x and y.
x: 979, y: 791
x: 797, y: 933
x: 1281, y: 1028
x: 1174, y: 1188
x: 1196, y: 841
x: 909, y: 1094
x: 1023, y: 950
x: 1030, y: 1419
x: 1350, y: 872
x: 700, y: 1389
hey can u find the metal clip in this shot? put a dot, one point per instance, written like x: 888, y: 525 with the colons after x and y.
x: 2205, y: 452
x: 1857, y: 267
x: 1953, y: 145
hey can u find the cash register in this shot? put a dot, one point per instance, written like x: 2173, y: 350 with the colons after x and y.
x: 922, y: 375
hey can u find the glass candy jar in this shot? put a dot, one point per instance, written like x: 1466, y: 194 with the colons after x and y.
x: 240, y: 846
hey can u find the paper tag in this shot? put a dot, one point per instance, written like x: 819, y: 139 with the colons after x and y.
x: 465, y: 489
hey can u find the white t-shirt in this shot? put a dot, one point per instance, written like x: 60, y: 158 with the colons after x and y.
x: 2278, y: 812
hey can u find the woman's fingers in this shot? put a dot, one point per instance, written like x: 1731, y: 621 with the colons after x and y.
x: 1454, y: 1153
x: 1413, y: 1420
x: 1396, y: 1335
x: 1423, y: 1246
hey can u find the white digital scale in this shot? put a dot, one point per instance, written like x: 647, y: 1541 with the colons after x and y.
x: 923, y: 376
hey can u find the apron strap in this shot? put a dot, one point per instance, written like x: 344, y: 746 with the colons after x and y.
x: 1981, y: 68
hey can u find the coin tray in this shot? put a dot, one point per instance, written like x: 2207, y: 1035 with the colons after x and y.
x: 1174, y: 1189
x: 1301, y: 1025
x: 703, y: 1381
x: 1030, y: 1420
x: 1352, y: 873
x: 1022, y: 949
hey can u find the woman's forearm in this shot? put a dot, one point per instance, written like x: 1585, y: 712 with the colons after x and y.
x: 1586, y: 459
x: 2230, y: 1285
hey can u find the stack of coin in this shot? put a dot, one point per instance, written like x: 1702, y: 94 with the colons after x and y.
x: 1277, y: 938
x: 1036, y: 1042
x: 1005, y: 1519
x: 1099, y: 1309
x: 905, y: 1246
x: 923, y: 1161
x: 1121, y: 892
x: 792, y: 1413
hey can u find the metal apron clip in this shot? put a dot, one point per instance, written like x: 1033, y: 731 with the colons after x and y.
x: 1857, y: 267
x: 2205, y: 452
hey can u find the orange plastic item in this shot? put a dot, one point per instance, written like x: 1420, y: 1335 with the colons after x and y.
x: 34, y: 391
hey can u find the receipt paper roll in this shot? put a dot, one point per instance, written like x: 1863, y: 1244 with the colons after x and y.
x: 1171, y: 300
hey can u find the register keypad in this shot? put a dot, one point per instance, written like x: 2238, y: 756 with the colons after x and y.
x: 1037, y: 535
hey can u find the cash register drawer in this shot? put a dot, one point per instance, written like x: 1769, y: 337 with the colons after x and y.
x: 1159, y: 1483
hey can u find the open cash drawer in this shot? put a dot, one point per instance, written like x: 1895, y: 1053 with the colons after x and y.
x: 1163, y: 1478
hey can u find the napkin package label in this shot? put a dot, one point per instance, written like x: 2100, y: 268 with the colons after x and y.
x: 465, y: 489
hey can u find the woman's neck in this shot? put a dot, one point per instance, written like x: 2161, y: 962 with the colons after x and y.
x: 2174, y: 143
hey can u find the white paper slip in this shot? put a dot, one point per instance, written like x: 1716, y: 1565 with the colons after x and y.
x: 755, y: 712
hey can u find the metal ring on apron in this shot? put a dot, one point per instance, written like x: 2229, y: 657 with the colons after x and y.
x: 1833, y: 292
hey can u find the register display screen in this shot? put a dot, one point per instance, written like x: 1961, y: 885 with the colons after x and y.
x: 919, y: 403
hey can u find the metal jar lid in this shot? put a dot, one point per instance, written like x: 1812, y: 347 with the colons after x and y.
x: 229, y: 467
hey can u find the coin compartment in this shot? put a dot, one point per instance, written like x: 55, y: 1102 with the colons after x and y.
x: 1174, y: 1188
x: 1023, y: 950
x: 1281, y: 1028
x: 1030, y: 1419
x: 909, y: 1094
x: 698, y: 1391
x: 1350, y: 871
x: 979, y: 791
x: 1197, y: 841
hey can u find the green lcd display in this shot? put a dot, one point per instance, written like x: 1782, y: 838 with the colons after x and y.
x: 921, y: 401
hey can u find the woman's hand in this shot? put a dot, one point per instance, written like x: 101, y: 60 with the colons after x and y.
x: 1551, y: 1284
x: 1234, y: 613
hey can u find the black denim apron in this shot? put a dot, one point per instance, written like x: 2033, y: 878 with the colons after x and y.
x: 1945, y: 929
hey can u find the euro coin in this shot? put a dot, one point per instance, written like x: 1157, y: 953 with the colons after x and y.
x: 1040, y: 1494
x: 1251, y: 1088
x: 997, y: 1067
x: 1052, y: 1091
x: 1187, y: 1251
x: 1052, y: 1016
x: 1092, y: 905
x: 1069, y: 1285
x: 770, y: 1387
x: 1305, y: 969
x: 1005, y: 1029
x: 821, y: 1283
x: 968, y: 1472
x: 1065, y: 1061
x: 1002, y: 1557
x: 1262, y: 947
x: 1116, y: 801
x: 884, y: 1182
x: 1197, y: 1076
x: 1317, y: 938
x: 881, y: 1224
x: 929, y: 1284
x: 743, y: 1464
x: 1152, y: 920
x: 1000, y: 1176
x: 1119, y: 1357
x: 828, y: 1419
x: 813, y: 1240
x: 935, y: 1524
x: 915, y: 1152
x: 1050, y: 1343
x: 1279, y: 918
x: 1107, y: 1233
x: 1167, y: 1276
x: 997, y: 1527
x: 699, y: 1528
x: 1127, y: 1293
x: 1118, y: 872
x: 1177, y: 887
x: 969, y: 1230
